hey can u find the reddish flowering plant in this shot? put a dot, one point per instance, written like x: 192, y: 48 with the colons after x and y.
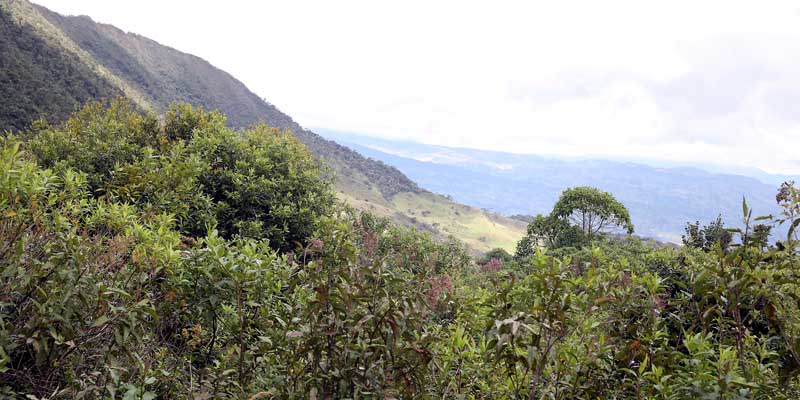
x: 370, y: 240
x: 492, y: 266
x: 440, y: 285
x: 315, y: 246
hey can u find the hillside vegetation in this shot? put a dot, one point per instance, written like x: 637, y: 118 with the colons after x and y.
x: 154, y: 250
x: 108, y: 62
x: 39, y: 80
x: 145, y: 258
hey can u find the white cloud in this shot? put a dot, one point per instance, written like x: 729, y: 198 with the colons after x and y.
x: 711, y: 81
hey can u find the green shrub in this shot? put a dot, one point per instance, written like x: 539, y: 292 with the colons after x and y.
x: 260, y: 183
x: 207, y: 263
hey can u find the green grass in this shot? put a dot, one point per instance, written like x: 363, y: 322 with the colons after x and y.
x: 480, y: 230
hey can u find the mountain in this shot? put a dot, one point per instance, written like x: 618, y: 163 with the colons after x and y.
x: 51, y: 64
x: 750, y: 172
x: 660, y: 200
x: 39, y: 79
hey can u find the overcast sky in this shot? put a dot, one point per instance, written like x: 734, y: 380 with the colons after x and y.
x: 695, y: 81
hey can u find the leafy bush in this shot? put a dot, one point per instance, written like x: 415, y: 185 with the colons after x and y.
x: 263, y: 184
x: 260, y: 183
x: 708, y: 237
x: 111, y: 286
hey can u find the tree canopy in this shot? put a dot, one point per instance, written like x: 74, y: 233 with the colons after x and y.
x: 260, y: 183
x: 592, y: 210
x: 549, y: 232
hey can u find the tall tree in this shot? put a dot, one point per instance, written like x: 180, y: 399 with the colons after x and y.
x: 549, y: 232
x: 592, y: 210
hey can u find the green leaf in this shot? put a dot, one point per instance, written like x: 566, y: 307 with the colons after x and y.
x: 792, y: 228
x: 643, y: 365
x: 745, y: 211
x: 100, y: 321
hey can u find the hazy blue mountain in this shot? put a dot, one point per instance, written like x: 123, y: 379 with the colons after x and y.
x: 761, y: 175
x: 661, y: 200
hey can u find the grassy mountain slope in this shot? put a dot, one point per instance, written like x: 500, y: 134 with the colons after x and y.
x: 154, y: 76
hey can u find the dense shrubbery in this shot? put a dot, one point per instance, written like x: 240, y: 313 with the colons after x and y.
x: 260, y: 183
x: 147, y: 259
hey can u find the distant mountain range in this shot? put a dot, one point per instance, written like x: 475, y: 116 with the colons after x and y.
x: 661, y: 200
x: 51, y: 64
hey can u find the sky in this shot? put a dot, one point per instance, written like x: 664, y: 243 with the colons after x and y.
x: 712, y: 82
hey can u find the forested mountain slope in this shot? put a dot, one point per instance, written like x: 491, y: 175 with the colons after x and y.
x: 38, y: 78
x: 105, y: 62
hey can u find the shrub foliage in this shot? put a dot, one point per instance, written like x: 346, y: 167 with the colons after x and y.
x: 144, y: 258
